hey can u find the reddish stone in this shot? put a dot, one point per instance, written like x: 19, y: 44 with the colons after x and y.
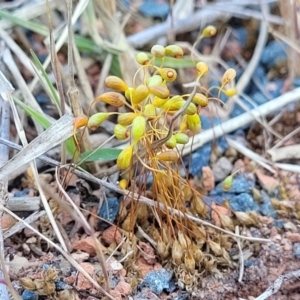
x: 208, y: 179
x: 123, y: 287
x: 82, y: 282
x: 293, y: 237
x: 87, y: 245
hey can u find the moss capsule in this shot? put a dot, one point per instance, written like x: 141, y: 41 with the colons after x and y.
x: 121, y: 132
x: 209, y: 31
x: 124, y: 158
x: 171, y: 143
x: 160, y: 91
x: 126, y: 119
x: 200, y: 99
x: 142, y: 58
x: 181, y: 138
x: 230, y: 92
x: 96, y: 120
x: 202, y: 68
x: 228, y: 76
x: 168, y: 155
x: 158, y: 102
x: 115, y: 83
x: 174, y: 51
x: 150, y: 111
x: 154, y: 80
x: 123, y: 184
x: 158, y: 51
x: 112, y: 98
x: 194, y: 122
x: 139, y: 94
x: 227, y: 183
x: 168, y: 74
x: 138, y: 127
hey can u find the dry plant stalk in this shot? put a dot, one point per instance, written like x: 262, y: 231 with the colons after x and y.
x: 290, y: 12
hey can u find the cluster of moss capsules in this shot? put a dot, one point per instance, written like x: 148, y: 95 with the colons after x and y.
x: 150, y: 104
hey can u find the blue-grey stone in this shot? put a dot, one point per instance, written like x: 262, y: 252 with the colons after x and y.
x: 296, y: 249
x: 278, y: 86
x: 22, y: 193
x: 243, y: 202
x: 238, y: 110
x: 151, y: 8
x: 273, y: 53
x: 266, y: 207
x: 158, y: 281
x: 61, y: 285
x: 278, y: 223
x: 182, y: 297
x: 240, y: 184
x: 30, y: 295
x: 241, y: 35
x: 259, y: 98
x: 199, y: 159
x: 251, y: 262
x: 108, y: 211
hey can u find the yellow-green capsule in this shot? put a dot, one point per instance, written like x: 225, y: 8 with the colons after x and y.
x: 173, y: 103
x: 227, y: 183
x: 168, y: 74
x: 96, y: 120
x: 168, y: 155
x: 115, y: 83
x: 228, y: 76
x: 149, y: 111
x: 123, y: 184
x: 181, y: 138
x: 139, y: 94
x: 202, y: 68
x: 158, y: 102
x: 128, y: 93
x: 154, y: 80
x: 174, y: 51
x: 126, y: 119
x: 209, y: 31
x: 200, y: 99
x: 112, y: 98
x: 138, y: 127
x: 158, y: 51
x: 124, y: 158
x: 183, y: 123
x: 191, y: 109
x: 142, y: 58
x: 160, y: 91
x: 230, y: 92
x: 194, y: 122
x: 171, y: 143
x: 120, y: 132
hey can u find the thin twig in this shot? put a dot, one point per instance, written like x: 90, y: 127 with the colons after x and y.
x: 275, y: 287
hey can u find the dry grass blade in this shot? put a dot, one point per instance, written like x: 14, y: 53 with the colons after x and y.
x: 4, y: 155
x: 61, y: 130
x: 22, y: 136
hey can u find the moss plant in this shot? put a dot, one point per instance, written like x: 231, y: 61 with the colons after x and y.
x: 156, y: 122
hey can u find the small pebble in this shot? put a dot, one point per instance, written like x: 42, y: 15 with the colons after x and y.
x: 296, y: 249
x: 30, y: 295
x: 158, y: 281
x: 113, y: 205
x: 222, y: 168
x: 243, y: 202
